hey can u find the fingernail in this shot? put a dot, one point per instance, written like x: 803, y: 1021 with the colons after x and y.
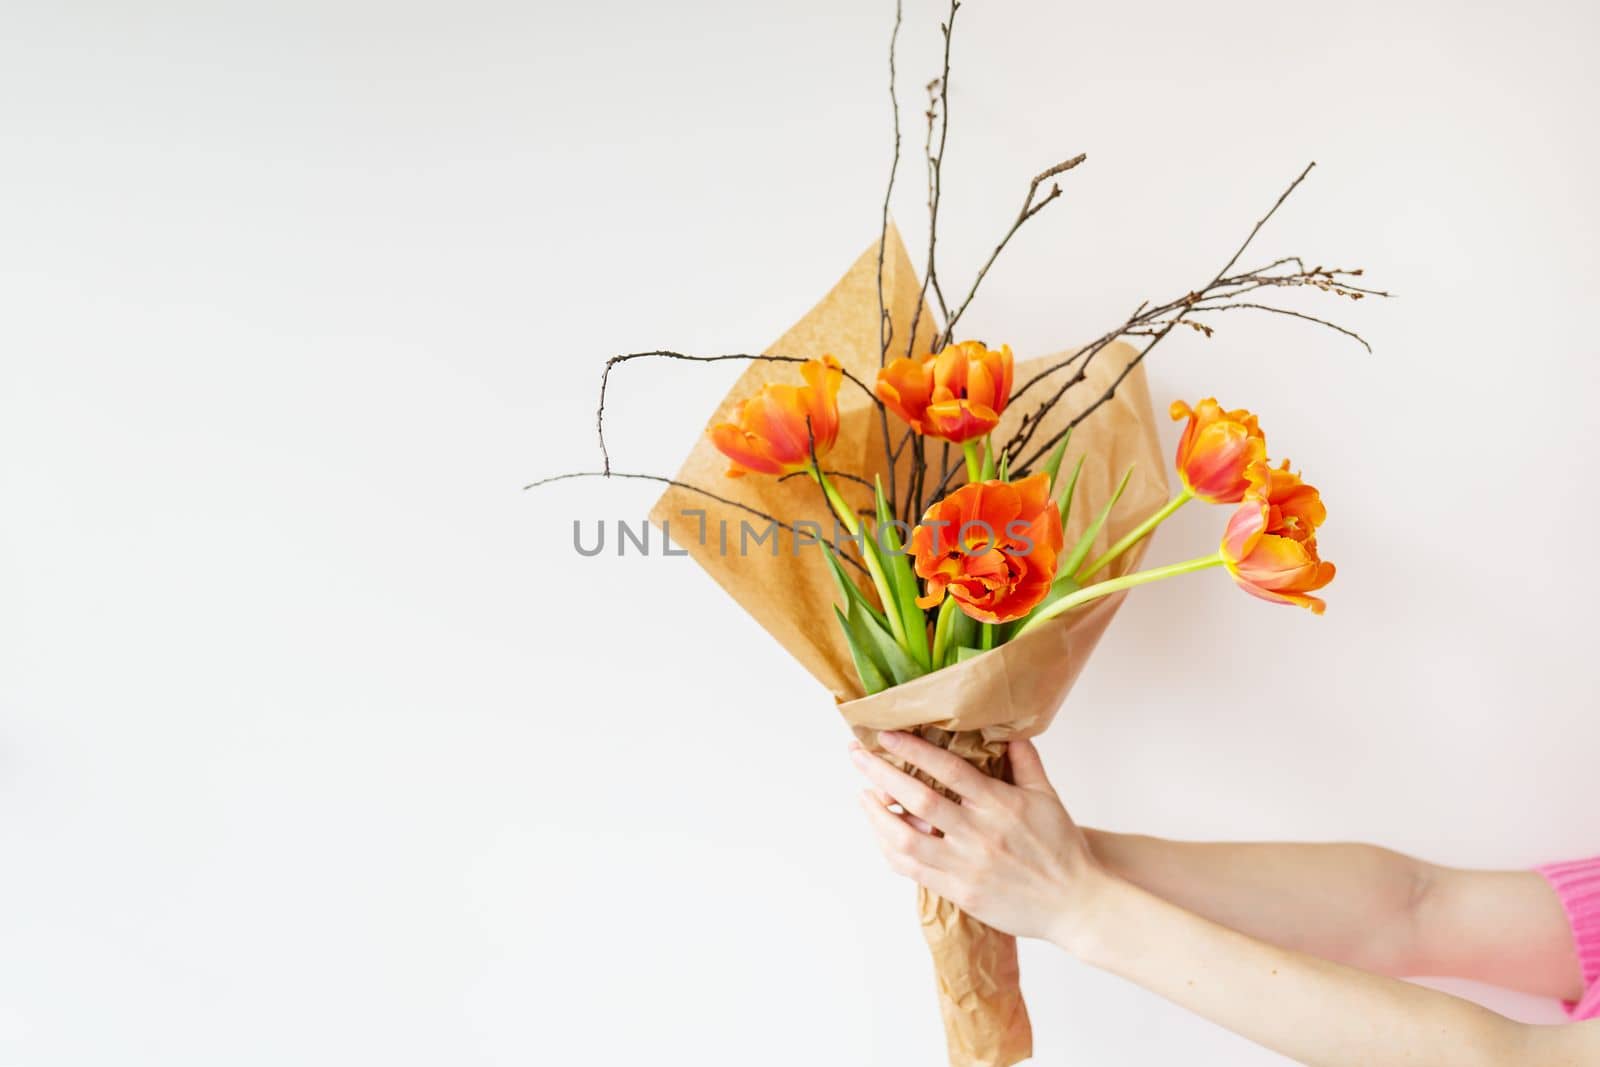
x: 854, y: 744
x: 890, y: 738
x: 859, y: 757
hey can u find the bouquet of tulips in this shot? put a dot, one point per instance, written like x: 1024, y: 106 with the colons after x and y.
x: 940, y: 534
x: 987, y: 562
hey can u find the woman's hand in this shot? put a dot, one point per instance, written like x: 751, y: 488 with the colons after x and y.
x: 1008, y: 854
x: 1012, y: 856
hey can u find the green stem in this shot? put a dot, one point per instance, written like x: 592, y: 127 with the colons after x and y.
x: 941, y: 630
x: 1134, y: 536
x: 1116, y: 585
x: 986, y: 636
x: 974, y: 461
x: 869, y: 553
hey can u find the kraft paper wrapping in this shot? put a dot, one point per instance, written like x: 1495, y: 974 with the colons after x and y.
x: 973, y: 707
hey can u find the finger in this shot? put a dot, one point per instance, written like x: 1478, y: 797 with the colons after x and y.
x: 896, y: 808
x: 916, y: 797
x: 1027, y: 769
x: 900, y: 844
x: 909, y: 864
x: 946, y: 767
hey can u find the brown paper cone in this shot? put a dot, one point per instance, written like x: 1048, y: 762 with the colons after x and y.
x: 973, y: 707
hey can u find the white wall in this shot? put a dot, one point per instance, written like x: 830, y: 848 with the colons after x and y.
x: 319, y: 744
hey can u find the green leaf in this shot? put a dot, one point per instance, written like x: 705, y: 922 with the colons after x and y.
x: 1052, y: 466
x: 1072, y: 487
x: 964, y: 653
x: 986, y: 473
x: 851, y: 592
x: 872, y: 679
x: 948, y: 610
x: 1005, y: 467
x: 886, y: 533
x: 1080, y: 551
x: 963, y: 631
x: 904, y: 580
x: 888, y: 651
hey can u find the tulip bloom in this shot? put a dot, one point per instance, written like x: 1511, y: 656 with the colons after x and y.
x: 956, y: 396
x: 771, y: 436
x: 1270, y: 545
x: 992, y: 546
x: 1216, y: 450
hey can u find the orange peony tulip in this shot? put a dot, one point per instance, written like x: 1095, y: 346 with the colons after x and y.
x: 992, y: 546
x: 771, y: 437
x: 1270, y: 544
x: 1216, y: 450
x: 957, y: 395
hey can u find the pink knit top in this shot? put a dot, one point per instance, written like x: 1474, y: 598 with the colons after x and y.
x: 1578, y: 886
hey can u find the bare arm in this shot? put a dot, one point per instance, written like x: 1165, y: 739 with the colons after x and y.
x: 1012, y: 856
x: 1313, y: 1011
x: 1364, y: 906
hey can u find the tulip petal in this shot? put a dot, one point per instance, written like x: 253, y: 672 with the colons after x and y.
x: 1217, y: 449
x: 782, y: 426
x: 967, y: 383
x: 976, y: 556
x: 748, y: 451
x: 1244, y: 528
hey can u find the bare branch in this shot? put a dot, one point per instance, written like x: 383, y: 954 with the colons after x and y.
x: 605, y: 380
x: 1293, y: 314
x: 885, y: 319
x: 1226, y: 267
x: 938, y: 110
x: 846, y: 475
x: 1029, y: 210
x: 1155, y: 323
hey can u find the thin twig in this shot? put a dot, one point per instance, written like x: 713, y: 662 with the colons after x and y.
x: 885, y: 319
x: 1157, y: 322
x: 1293, y: 314
x: 938, y: 110
x: 846, y: 475
x: 1029, y: 210
x: 605, y: 379
x: 945, y: 475
x: 1226, y: 267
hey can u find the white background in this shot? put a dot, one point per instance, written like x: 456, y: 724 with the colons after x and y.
x: 319, y: 743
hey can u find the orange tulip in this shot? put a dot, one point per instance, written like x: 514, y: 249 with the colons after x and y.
x: 957, y: 395
x: 771, y: 435
x: 992, y: 546
x: 1270, y: 545
x: 1216, y: 450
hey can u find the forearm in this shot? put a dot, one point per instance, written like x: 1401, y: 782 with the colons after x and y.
x: 1316, y: 1012
x: 1354, y: 904
x: 1012, y: 856
x: 1364, y: 906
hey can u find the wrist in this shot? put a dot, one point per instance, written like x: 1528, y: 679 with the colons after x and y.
x: 1085, y: 913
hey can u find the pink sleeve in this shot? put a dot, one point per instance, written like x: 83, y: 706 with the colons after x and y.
x: 1578, y: 886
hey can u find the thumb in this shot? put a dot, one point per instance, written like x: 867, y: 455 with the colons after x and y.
x: 1027, y: 770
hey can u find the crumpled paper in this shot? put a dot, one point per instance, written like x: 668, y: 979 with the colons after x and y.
x: 973, y: 707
